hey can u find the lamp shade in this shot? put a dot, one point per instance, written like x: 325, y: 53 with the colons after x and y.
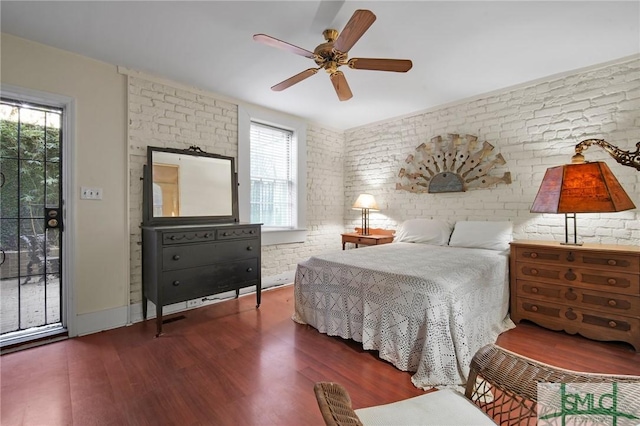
x: 366, y: 201
x: 581, y: 188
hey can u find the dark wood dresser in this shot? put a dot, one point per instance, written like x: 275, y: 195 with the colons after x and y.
x: 185, y: 262
x: 592, y: 290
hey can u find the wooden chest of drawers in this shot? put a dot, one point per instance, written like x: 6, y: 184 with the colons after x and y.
x: 181, y: 263
x: 592, y: 290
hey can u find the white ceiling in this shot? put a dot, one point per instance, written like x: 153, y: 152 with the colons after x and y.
x: 459, y: 49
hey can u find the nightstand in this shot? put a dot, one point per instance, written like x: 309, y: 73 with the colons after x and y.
x: 376, y: 236
x: 592, y: 290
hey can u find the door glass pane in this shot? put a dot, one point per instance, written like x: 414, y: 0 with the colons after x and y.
x: 32, y: 123
x: 53, y: 137
x: 32, y: 304
x: 52, y: 246
x: 53, y: 298
x: 32, y: 187
x: 52, y: 188
x: 9, y: 236
x: 9, y: 191
x: 32, y: 249
x: 8, y: 131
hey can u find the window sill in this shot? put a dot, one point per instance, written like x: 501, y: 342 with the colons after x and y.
x: 283, y: 236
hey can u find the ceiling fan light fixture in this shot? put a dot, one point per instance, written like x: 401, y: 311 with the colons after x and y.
x: 333, y: 54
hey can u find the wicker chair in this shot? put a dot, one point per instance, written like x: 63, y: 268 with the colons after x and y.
x: 501, y: 383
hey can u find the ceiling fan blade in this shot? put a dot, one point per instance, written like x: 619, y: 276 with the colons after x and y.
x: 360, y: 22
x: 274, y: 42
x: 396, y: 65
x: 295, y: 79
x: 341, y: 86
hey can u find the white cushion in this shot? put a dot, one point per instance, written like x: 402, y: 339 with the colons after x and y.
x: 485, y: 235
x: 443, y: 407
x: 425, y: 231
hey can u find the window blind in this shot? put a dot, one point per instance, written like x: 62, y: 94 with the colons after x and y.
x: 272, y: 181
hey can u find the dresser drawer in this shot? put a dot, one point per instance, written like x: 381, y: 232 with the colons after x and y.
x: 204, y: 281
x: 240, y: 232
x: 580, y: 298
x: 605, y: 280
x: 183, y: 237
x: 590, y: 323
x: 600, y: 260
x: 194, y: 255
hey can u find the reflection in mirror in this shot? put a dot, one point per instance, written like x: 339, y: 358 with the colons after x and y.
x: 186, y: 185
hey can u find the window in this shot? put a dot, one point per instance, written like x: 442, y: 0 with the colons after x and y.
x: 273, y: 195
x: 272, y: 173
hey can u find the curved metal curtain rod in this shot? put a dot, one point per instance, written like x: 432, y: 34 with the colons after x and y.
x: 626, y: 158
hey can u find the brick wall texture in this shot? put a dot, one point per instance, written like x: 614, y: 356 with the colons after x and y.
x: 533, y: 126
x: 162, y: 115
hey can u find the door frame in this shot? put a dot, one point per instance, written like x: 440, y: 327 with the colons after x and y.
x: 68, y: 206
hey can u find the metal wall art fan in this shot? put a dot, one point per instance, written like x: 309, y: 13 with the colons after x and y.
x: 333, y: 54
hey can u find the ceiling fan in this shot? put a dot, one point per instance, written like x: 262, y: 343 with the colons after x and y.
x: 333, y: 54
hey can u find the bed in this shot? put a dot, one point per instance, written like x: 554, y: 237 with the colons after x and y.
x: 426, y: 308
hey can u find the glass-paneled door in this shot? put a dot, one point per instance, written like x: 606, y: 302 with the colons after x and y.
x: 30, y: 220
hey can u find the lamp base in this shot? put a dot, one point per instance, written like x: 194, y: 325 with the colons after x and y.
x: 571, y: 244
x: 365, y: 222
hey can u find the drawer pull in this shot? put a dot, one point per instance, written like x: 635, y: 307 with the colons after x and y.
x: 533, y: 255
x: 613, y: 324
x: 570, y: 295
x: 207, y: 235
x: 612, y: 302
x: 176, y: 283
x: 173, y: 237
x: 570, y: 275
x: 253, y: 231
x: 534, y: 308
x: 611, y: 281
x: 226, y: 234
x: 176, y: 257
x: 249, y: 248
x: 249, y: 269
x: 534, y: 272
x: 612, y: 262
x: 570, y: 257
x: 570, y: 314
x: 534, y: 290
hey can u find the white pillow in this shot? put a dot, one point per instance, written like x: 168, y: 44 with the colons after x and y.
x: 424, y: 231
x: 485, y: 235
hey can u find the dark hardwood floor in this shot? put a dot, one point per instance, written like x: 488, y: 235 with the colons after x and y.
x: 232, y: 364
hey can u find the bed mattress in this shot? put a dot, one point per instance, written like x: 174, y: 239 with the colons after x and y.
x: 426, y: 309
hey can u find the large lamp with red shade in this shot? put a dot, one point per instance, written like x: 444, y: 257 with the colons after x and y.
x: 584, y: 187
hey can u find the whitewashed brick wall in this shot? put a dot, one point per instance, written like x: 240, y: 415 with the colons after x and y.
x: 166, y: 116
x: 534, y: 127
x: 325, y: 201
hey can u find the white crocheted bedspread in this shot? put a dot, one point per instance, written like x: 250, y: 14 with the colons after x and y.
x: 425, y: 308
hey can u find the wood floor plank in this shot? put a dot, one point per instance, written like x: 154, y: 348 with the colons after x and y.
x: 232, y: 364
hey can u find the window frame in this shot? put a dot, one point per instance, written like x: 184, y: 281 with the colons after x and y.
x: 247, y: 114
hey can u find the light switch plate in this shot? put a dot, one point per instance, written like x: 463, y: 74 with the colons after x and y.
x: 90, y: 193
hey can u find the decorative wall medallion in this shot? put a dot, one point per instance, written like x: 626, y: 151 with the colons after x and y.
x: 453, y: 165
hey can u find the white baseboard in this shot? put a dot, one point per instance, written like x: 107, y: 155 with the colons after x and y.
x: 99, y: 321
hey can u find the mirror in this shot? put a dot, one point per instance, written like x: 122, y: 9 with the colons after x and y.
x: 189, y: 186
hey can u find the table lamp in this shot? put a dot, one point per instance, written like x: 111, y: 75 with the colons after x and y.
x: 366, y: 202
x: 584, y: 187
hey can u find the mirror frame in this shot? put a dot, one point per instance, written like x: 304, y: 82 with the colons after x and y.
x: 147, y: 191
